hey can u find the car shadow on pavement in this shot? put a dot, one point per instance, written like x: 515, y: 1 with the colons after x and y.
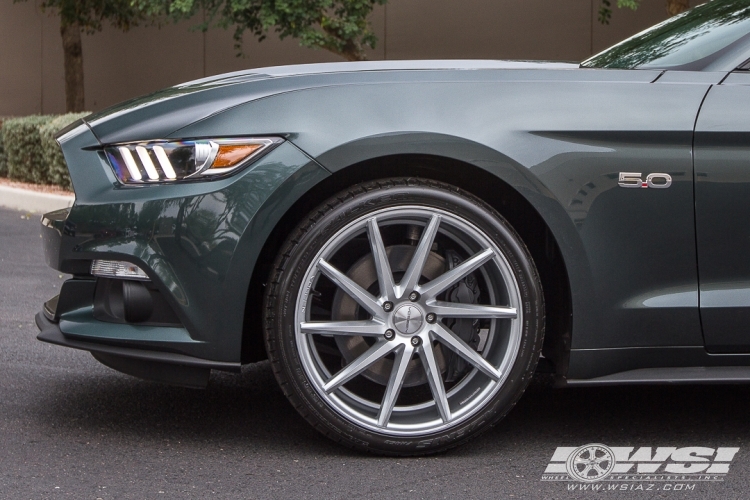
x: 245, y: 409
x: 656, y: 415
x: 250, y: 410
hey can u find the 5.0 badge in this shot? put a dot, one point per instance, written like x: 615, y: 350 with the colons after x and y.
x: 633, y: 180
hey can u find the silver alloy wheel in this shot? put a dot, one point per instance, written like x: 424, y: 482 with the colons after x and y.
x: 401, y: 325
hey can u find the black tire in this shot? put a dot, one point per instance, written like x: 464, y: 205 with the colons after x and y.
x: 291, y: 352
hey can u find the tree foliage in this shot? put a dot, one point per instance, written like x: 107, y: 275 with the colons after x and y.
x: 339, y: 26
x: 605, y: 9
x: 674, y: 7
x: 90, y: 15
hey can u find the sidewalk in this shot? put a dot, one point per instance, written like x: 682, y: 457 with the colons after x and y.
x: 33, y: 200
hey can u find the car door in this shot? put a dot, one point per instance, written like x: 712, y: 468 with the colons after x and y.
x: 722, y: 207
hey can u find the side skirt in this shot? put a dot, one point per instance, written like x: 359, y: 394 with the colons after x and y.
x: 654, y: 365
x: 685, y: 375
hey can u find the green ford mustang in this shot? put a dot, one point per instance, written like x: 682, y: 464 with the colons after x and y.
x: 410, y: 242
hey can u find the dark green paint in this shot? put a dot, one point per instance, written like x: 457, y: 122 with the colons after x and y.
x: 722, y: 205
x: 561, y: 141
x: 558, y: 135
x: 186, y: 237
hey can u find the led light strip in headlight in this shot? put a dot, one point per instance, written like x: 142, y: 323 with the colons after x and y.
x: 163, y: 161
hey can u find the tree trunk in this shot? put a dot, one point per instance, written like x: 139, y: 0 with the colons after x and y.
x: 73, y: 56
x: 674, y: 7
x: 353, y: 53
x: 350, y: 51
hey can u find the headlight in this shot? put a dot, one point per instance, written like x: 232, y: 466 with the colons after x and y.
x: 162, y: 161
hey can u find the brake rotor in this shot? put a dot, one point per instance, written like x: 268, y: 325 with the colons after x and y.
x: 345, y: 308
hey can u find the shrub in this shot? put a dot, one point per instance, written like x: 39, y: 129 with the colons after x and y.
x: 3, y: 162
x: 23, y: 148
x: 29, y: 152
x: 52, y: 157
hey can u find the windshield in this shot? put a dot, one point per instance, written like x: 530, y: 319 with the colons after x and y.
x: 686, y: 41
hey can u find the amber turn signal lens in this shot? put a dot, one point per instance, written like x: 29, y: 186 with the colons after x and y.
x: 231, y: 154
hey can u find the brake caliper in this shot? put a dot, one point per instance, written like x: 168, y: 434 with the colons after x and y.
x: 465, y: 291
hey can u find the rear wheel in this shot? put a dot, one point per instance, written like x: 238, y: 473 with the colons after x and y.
x: 403, y: 317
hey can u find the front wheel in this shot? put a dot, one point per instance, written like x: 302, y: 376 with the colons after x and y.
x: 403, y: 317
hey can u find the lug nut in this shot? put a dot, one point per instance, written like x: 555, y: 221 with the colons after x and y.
x: 431, y: 317
x: 388, y: 306
x: 389, y: 334
x: 414, y: 296
x: 415, y: 341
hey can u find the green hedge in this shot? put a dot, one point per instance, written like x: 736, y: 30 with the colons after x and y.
x: 3, y: 162
x: 23, y: 148
x: 52, y: 157
x: 29, y: 152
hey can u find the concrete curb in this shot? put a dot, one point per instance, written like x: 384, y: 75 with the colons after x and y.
x: 33, y: 201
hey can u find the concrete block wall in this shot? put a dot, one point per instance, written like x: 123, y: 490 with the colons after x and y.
x: 118, y: 66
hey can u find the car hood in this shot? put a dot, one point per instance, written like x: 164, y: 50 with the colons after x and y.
x: 161, y: 113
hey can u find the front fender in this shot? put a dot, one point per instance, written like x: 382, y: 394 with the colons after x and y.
x: 560, y: 144
x: 502, y: 167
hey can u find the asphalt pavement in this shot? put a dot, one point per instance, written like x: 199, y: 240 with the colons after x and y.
x: 72, y: 428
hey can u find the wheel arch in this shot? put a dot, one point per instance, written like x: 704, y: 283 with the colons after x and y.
x: 489, y: 175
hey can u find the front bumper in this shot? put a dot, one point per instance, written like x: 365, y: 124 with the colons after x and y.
x: 198, y: 242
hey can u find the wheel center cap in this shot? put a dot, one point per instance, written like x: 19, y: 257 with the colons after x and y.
x: 408, y: 319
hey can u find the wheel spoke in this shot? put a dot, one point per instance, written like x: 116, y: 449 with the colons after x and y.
x: 436, y: 381
x: 459, y: 346
x: 435, y: 287
x: 367, y: 328
x: 398, y: 374
x: 457, y: 310
x: 382, y: 266
x: 359, y: 365
x: 414, y: 271
x: 362, y: 296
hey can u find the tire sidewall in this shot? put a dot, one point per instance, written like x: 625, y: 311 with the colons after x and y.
x: 314, y: 233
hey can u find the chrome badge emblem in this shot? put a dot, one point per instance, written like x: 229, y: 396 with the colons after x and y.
x: 633, y: 180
